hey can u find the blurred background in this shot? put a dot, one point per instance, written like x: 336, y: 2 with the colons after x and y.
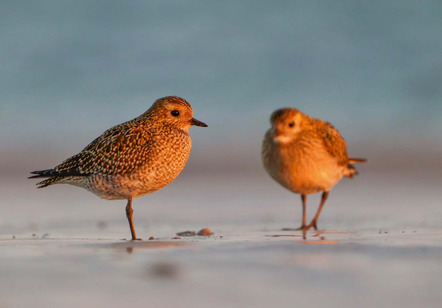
x: 72, y: 69
x: 69, y: 70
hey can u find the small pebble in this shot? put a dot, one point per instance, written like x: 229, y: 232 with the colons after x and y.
x: 186, y: 233
x: 205, y: 232
x: 202, y: 232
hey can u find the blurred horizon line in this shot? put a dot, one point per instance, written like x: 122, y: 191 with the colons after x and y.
x: 22, y: 160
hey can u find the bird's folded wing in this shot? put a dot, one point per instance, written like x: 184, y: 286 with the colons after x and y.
x: 334, y: 143
x: 114, y: 152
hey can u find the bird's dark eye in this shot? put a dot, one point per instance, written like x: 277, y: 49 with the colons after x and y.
x: 291, y: 124
x: 175, y: 113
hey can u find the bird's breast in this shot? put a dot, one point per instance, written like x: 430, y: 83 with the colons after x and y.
x: 166, y: 159
x: 304, y: 166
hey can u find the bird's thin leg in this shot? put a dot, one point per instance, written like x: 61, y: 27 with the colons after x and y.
x: 304, y: 214
x: 315, y: 219
x: 304, y: 206
x: 129, y: 213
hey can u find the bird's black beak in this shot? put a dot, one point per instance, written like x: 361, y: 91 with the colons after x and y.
x: 197, y: 123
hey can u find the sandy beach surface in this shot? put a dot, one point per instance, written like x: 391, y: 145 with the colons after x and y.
x: 379, y: 245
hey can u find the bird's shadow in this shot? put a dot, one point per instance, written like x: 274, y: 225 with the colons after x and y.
x: 317, y: 237
x: 129, y: 246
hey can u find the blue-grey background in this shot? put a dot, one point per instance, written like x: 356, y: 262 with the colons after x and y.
x: 72, y: 69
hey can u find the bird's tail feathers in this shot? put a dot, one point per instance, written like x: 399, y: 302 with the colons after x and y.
x: 48, y: 182
x: 42, y: 173
x: 351, y: 170
x: 48, y: 173
x: 356, y: 160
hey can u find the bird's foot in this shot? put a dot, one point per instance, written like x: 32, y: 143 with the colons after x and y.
x: 301, y: 228
x: 136, y: 239
x: 312, y: 224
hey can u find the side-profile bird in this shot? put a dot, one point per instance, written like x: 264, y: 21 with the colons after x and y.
x: 134, y: 158
x: 305, y: 155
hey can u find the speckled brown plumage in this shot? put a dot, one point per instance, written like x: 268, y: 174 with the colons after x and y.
x: 134, y: 158
x: 305, y: 155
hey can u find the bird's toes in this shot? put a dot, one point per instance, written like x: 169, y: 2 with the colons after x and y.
x: 135, y: 239
x: 301, y: 228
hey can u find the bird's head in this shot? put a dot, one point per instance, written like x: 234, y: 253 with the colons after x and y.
x: 286, y: 124
x: 176, y: 111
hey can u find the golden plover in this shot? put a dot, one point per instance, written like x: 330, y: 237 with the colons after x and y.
x: 134, y: 158
x: 305, y: 155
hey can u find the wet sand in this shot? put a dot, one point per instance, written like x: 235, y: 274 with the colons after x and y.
x: 379, y: 244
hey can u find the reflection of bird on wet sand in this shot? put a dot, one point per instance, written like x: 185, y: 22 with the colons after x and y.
x: 134, y: 158
x: 305, y: 155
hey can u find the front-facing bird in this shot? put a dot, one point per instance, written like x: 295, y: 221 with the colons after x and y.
x: 305, y: 155
x: 134, y: 158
